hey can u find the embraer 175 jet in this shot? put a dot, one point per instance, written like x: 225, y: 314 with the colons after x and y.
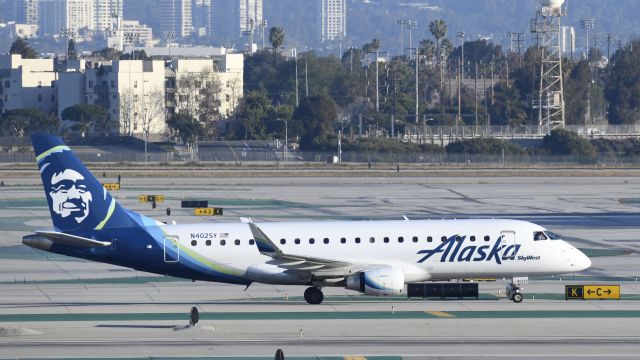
x: 372, y: 257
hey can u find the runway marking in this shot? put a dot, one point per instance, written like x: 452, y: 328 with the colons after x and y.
x: 352, y: 357
x: 440, y: 314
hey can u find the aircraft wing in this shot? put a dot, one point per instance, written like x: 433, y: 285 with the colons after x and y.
x: 318, y: 267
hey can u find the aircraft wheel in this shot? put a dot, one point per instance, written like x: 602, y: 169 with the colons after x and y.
x: 517, y: 298
x: 313, y: 295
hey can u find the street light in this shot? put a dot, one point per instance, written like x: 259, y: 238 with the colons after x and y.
x: 286, y: 132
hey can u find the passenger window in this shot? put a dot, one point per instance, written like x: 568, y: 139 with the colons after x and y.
x: 312, y: 240
x: 343, y: 240
x: 237, y: 242
x: 386, y: 239
x: 208, y: 242
x: 194, y: 243
x: 372, y: 239
x: 357, y: 240
x: 223, y: 242
x: 415, y: 239
x: 443, y: 239
x: 472, y: 238
x: 283, y: 241
x: 486, y: 238
x: 458, y: 238
x: 429, y: 238
x: 400, y: 239
x: 297, y: 241
x: 325, y: 240
x: 252, y: 242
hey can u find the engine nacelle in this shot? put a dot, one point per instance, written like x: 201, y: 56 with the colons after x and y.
x: 377, y: 282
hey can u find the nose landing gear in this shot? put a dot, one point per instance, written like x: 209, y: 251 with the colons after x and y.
x: 514, y: 291
x: 313, y: 295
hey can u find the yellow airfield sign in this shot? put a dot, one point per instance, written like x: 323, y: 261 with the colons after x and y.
x: 151, y: 198
x: 208, y: 211
x: 111, y: 186
x: 592, y: 292
x: 602, y: 292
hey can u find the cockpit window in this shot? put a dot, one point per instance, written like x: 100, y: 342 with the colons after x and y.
x: 552, y: 236
x: 539, y: 235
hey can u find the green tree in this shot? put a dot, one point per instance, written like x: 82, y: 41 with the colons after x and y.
x: 72, y: 53
x: 86, y: 117
x: 276, y: 38
x: 21, y: 46
x: 187, y: 127
x: 316, y: 115
x: 107, y: 54
x: 507, y: 108
x: 438, y: 28
x: 623, y: 90
x: 250, y: 122
x: 565, y: 142
x: 19, y: 122
x: 488, y: 146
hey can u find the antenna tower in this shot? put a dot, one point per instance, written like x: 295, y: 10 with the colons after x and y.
x: 549, y: 102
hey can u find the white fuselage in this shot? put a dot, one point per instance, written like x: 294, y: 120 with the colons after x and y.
x: 423, y: 249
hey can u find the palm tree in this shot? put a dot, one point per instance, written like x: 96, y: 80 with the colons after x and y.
x: 427, y: 49
x: 438, y: 29
x: 276, y: 38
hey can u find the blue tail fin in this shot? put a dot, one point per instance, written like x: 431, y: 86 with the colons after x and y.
x: 77, y: 200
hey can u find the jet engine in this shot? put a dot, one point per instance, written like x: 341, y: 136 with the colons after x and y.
x: 377, y: 282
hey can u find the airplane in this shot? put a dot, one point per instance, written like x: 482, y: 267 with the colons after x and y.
x: 371, y: 257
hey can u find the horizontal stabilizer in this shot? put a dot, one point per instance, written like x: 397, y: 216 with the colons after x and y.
x: 44, y: 239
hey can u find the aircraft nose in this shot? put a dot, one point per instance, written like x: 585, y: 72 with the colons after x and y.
x: 581, y: 261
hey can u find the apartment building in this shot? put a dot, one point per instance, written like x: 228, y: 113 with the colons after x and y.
x: 138, y: 94
x: 333, y: 19
x: 176, y: 18
x: 72, y: 15
x: 28, y: 83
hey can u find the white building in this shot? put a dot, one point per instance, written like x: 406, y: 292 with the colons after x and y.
x: 136, y: 34
x: 568, y: 40
x: 23, y: 11
x: 232, y: 19
x: 13, y: 30
x: 176, y: 18
x: 333, y: 19
x: 106, y: 11
x: 74, y: 15
x: 224, y: 72
x: 27, y: 83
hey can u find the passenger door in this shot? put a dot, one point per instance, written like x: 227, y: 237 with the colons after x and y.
x: 171, y: 249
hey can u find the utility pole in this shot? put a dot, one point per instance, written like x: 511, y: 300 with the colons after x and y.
x: 295, y: 58
x: 263, y: 24
x: 609, y: 38
x: 417, y: 112
x: 460, y: 75
x: 306, y: 75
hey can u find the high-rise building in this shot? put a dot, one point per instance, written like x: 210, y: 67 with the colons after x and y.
x: 106, y: 13
x: 66, y: 15
x: 21, y: 11
x: 333, y: 19
x: 232, y: 19
x: 176, y: 17
x: 202, y: 17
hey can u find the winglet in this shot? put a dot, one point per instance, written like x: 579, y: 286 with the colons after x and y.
x: 265, y: 245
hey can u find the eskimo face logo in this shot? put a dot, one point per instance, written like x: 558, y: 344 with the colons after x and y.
x: 70, y: 197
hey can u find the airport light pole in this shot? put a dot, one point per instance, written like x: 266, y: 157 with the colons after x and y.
x: 588, y: 24
x: 67, y: 33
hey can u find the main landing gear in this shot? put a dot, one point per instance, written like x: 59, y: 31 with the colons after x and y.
x: 313, y: 295
x: 514, y: 291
